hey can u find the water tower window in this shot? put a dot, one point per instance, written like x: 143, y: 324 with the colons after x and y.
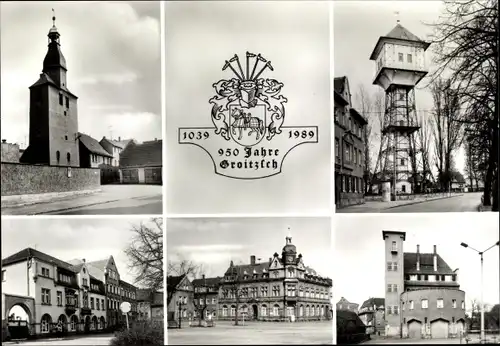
x: 68, y: 157
x: 66, y: 137
x: 58, y: 156
x: 67, y: 102
x: 394, y: 246
x: 409, y: 58
x: 403, y: 162
x: 400, y: 57
x: 61, y: 99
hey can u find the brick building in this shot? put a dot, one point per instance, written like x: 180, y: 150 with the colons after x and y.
x: 423, y: 298
x: 349, y: 147
x: 141, y: 163
x: 280, y: 289
x: 206, y: 296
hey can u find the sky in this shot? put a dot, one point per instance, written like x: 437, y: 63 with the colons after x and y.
x: 73, y: 238
x: 355, y: 40
x: 112, y: 52
x: 214, y: 242
x: 358, y: 242
x: 200, y: 36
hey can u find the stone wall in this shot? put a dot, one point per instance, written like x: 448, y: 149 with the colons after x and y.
x: 22, y: 179
x: 10, y: 152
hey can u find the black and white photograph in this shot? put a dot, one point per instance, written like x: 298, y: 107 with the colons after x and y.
x: 81, y: 108
x: 248, y: 107
x: 417, y: 280
x: 235, y: 281
x: 416, y: 106
x: 105, y: 290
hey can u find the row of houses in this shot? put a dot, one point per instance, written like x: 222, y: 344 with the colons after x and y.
x: 279, y: 289
x: 43, y: 295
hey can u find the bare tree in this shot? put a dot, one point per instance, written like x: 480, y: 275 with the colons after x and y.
x: 466, y: 49
x: 423, y: 138
x: 365, y: 107
x: 447, y: 128
x: 379, y: 111
x: 145, y: 254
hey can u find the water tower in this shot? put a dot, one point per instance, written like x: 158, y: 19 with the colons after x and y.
x: 400, y: 66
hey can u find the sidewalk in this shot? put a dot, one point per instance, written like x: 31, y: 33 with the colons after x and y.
x: 377, y: 206
x: 107, y: 194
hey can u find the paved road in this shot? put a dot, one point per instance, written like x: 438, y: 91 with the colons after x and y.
x: 146, y: 206
x: 112, y: 200
x: 87, y: 340
x: 463, y: 203
x: 415, y: 341
x: 255, y: 333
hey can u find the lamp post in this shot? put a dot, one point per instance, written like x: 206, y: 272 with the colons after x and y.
x: 482, y: 302
x: 180, y: 303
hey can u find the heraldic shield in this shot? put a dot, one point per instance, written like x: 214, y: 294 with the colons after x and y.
x: 247, y: 125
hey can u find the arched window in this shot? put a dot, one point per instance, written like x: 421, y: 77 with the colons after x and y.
x: 224, y: 310
x: 307, y: 310
x: 45, y: 323
x: 102, y: 323
x: 301, y: 311
x: 68, y: 157
x: 233, y: 310
x: 73, y: 323
x: 58, y: 156
x: 263, y: 310
x: 317, y: 310
x: 276, y: 310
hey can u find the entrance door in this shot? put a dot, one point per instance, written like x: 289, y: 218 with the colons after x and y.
x: 152, y: 175
x: 439, y: 329
x: 415, y: 330
x: 130, y: 176
x: 290, y: 311
x: 255, y: 312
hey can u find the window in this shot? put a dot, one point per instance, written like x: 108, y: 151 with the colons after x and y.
x: 92, y: 303
x: 45, y: 296
x: 85, y: 282
x: 409, y: 58
x: 67, y: 102
x: 66, y: 138
x: 395, y: 310
x: 425, y: 303
x: 454, y: 303
x: 59, y: 298
x: 440, y: 303
x: 61, y: 99
x: 45, y: 325
x: 392, y: 288
x: 97, y: 304
x: 400, y: 57
x: 276, y: 310
x: 347, y: 152
x: 3, y: 275
x: 403, y: 162
x: 411, y: 305
x: 394, y: 246
x: 337, y: 154
x: 45, y: 272
x: 389, y: 310
x: 58, y: 156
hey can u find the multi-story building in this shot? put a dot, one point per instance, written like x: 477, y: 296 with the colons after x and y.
x: 180, y: 299
x: 115, y: 147
x: 53, y: 135
x: 349, y: 147
x: 206, y: 296
x: 282, y: 288
x: 344, y: 304
x: 128, y: 293
x: 372, y: 314
x: 423, y: 298
x: 106, y: 271
x: 10, y: 152
x: 57, y: 296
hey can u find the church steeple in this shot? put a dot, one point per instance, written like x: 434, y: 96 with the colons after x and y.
x: 54, y: 64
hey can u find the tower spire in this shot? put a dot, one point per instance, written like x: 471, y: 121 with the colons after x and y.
x: 53, y: 17
x: 396, y: 13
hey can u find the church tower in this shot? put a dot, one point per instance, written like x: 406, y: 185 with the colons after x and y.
x: 53, y: 138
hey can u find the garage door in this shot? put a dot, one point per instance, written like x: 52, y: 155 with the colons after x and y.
x: 152, y: 175
x: 415, y: 330
x: 439, y: 329
x: 130, y: 176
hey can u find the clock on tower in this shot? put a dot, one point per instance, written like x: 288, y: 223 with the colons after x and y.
x: 289, y: 259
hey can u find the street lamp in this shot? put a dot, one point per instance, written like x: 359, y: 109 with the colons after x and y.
x: 180, y: 303
x: 482, y: 302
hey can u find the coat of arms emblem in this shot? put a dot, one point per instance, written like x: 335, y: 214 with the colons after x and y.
x: 248, y: 113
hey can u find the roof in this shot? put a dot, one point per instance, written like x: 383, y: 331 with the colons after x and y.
x: 101, y: 264
x: 426, y: 264
x: 120, y: 144
x: 403, y: 234
x: 457, y: 177
x: 144, y: 294
x: 144, y: 154
x: 399, y: 32
x: 358, y: 116
x: 93, y: 145
x: 174, y: 281
x: 345, y: 301
x: 124, y: 283
x: 45, y: 79
x: 250, y: 269
x: 23, y: 255
x: 207, y: 282
x: 370, y: 302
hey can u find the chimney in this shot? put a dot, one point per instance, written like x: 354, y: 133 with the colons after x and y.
x: 418, y: 257
x: 203, y: 276
x: 435, y: 259
x: 83, y: 260
x: 270, y: 259
x: 252, y: 260
x: 119, y: 138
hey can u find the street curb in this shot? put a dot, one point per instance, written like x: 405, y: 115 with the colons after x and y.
x: 16, y: 201
x: 418, y: 202
x: 85, y: 205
